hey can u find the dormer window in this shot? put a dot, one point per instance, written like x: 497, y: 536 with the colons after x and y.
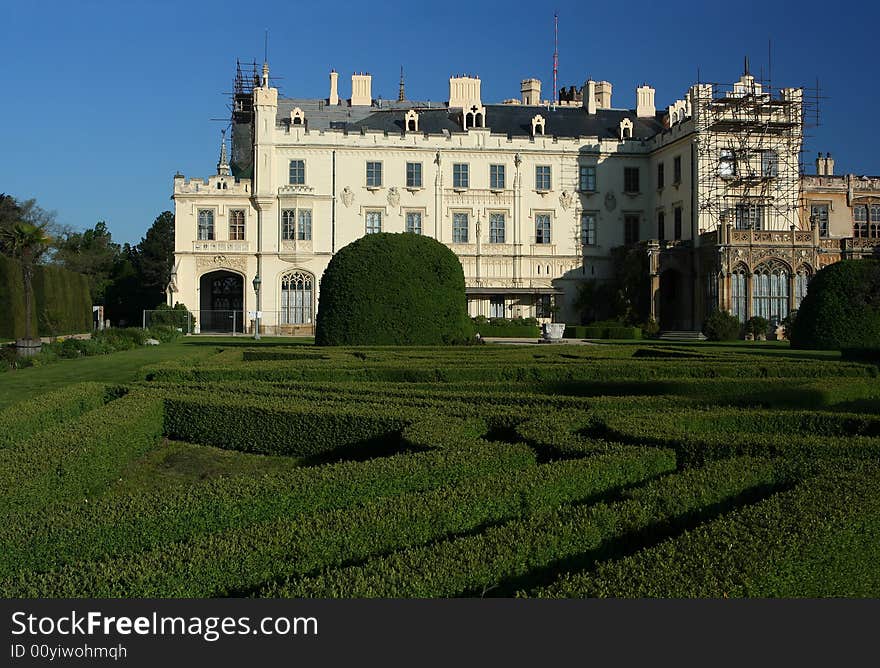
x: 626, y: 129
x: 537, y: 125
x: 297, y: 117
x: 475, y: 117
x: 411, y: 121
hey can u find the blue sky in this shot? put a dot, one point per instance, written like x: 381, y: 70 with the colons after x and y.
x: 104, y: 101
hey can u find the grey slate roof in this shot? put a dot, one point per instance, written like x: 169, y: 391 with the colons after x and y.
x: 513, y: 120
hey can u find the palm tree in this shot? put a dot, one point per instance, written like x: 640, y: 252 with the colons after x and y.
x: 26, y: 242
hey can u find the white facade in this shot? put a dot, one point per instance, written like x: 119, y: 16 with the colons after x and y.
x: 531, y: 197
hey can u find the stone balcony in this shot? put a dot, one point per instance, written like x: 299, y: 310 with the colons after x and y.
x: 221, y: 246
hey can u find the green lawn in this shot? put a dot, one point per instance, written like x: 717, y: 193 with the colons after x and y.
x: 118, y: 367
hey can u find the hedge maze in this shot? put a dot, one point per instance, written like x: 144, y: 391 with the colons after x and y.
x: 559, y: 471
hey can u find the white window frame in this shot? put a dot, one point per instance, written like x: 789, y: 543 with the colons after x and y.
x: 206, y: 231
x: 543, y: 233
x: 370, y: 218
x: 411, y: 180
x: 300, y: 178
x: 461, y: 177
x: 457, y: 237
x: 374, y: 166
x: 409, y: 218
x: 543, y: 178
x: 586, y: 177
x: 497, y: 177
x: 589, y: 228
x: 495, y: 228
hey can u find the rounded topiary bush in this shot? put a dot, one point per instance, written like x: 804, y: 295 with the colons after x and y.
x: 393, y: 289
x: 841, y: 309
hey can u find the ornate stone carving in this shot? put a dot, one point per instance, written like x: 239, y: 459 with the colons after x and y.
x: 233, y: 262
x: 347, y: 196
x: 610, y: 202
x: 566, y: 199
x: 394, y: 196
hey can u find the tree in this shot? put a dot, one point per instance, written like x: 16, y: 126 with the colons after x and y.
x: 26, y: 242
x: 154, y: 256
x: 92, y: 253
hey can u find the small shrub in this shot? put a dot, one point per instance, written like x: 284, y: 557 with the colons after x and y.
x: 722, y: 326
x: 757, y: 326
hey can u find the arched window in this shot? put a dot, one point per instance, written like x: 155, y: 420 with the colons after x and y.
x: 770, y: 291
x: 738, y: 293
x: 296, y: 298
x: 801, y: 280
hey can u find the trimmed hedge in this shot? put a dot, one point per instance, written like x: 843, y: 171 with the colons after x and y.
x: 63, y: 301
x: 12, y: 301
x: 79, y: 458
x: 117, y: 526
x: 821, y: 538
x: 601, y: 332
x: 240, y: 561
x: 507, y: 330
x: 280, y: 428
x: 475, y: 565
x: 701, y: 435
x: 24, y: 419
x: 393, y: 289
x: 841, y: 309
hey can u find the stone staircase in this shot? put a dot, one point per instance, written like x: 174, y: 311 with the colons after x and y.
x: 682, y: 336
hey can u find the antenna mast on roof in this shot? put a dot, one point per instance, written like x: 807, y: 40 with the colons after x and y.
x: 555, y: 55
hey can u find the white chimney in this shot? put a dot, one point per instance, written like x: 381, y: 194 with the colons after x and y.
x: 361, y: 90
x: 464, y: 92
x: 829, y: 165
x: 820, y: 165
x: 589, y: 96
x: 645, y: 102
x: 334, y: 88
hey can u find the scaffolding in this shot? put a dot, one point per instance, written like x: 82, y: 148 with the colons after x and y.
x: 750, y: 140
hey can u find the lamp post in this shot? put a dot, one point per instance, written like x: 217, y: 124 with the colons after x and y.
x: 257, y: 283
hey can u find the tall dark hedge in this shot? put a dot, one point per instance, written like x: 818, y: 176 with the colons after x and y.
x: 841, y: 309
x: 393, y: 289
x: 62, y: 304
x: 63, y: 301
x: 12, y: 300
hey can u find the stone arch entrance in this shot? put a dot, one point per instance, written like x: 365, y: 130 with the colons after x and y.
x: 221, y: 302
x: 674, y: 301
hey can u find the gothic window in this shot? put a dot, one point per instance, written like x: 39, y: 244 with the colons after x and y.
x: 738, y: 285
x: 288, y: 224
x: 236, y: 224
x: 588, y: 228
x: 820, y: 211
x: 459, y: 228
x: 770, y: 163
x: 414, y: 222
x: 374, y: 222
x: 296, y: 298
x: 860, y: 221
x: 801, y: 281
x: 874, y: 227
x: 496, y: 228
x: 304, y: 225
x: 770, y: 291
x: 542, y: 228
x: 206, y: 225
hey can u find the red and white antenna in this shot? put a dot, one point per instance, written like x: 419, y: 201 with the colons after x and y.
x: 555, y: 56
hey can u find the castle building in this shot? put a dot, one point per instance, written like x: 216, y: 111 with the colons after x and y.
x: 532, y: 195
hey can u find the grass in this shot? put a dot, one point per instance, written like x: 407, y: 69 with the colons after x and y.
x: 120, y: 367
